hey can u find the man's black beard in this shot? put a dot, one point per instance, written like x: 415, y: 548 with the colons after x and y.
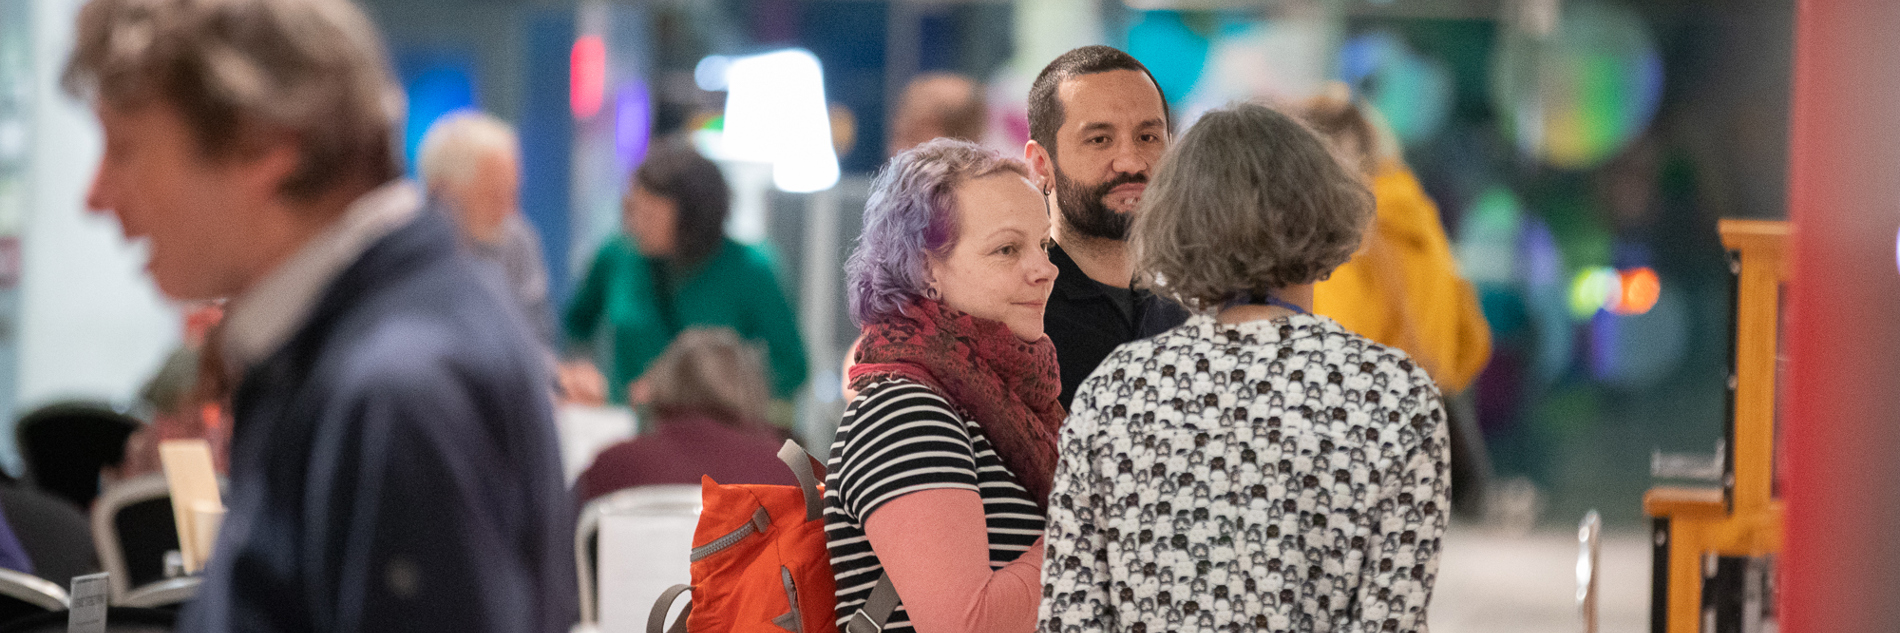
x: 1084, y: 210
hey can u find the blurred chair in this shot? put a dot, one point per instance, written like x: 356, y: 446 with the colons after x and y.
x: 66, y: 443
x: 53, y: 532
x: 24, y: 595
x: 133, y: 528
x: 661, y: 500
x: 118, y: 620
x: 168, y: 594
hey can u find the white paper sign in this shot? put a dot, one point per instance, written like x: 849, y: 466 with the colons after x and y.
x: 195, y: 498
x: 89, y: 595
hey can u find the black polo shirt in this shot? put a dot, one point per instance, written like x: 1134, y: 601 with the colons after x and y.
x: 1087, y: 319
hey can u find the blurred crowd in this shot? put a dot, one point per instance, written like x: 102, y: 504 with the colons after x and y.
x: 1133, y: 378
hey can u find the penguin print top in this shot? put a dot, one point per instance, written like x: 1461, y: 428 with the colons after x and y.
x: 1282, y: 475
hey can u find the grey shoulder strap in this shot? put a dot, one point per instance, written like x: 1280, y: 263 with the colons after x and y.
x: 877, y: 609
x: 809, y: 472
x: 656, y: 620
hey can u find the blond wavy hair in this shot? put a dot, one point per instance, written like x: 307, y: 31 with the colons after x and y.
x: 233, y: 68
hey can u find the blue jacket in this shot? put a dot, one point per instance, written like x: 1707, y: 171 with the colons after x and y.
x: 394, y: 467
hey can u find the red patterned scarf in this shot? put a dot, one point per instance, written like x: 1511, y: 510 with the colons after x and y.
x: 1008, y: 386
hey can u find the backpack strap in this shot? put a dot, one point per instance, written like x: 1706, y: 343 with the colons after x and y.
x: 877, y: 609
x: 809, y: 473
x: 656, y: 620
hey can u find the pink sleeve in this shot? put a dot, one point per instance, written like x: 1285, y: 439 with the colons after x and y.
x: 935, y: 547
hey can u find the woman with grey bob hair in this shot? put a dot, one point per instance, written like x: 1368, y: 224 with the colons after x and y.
x: 1257, y: 464
x: 1308, y: 212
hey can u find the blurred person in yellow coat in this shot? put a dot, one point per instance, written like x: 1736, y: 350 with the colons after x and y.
x: 1402, y: 288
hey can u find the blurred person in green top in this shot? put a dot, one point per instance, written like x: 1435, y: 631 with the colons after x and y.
x: 675, y: 269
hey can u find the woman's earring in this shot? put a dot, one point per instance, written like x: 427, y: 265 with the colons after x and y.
x: 930, y: 292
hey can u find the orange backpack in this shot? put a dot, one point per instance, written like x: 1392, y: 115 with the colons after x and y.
x: 760, y: 562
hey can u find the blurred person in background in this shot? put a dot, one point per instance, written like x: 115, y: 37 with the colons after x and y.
x: 394, y: 465
x: 938, y: 105
x: 674, y: 269
x: 709, y: 395
x: 186, y: 399
x: 1098, y: 123
x: 1402, y: 288
x: 1257, y: 465
x: 471, y: 162
x: 941, y: 465
x: 13, y: 555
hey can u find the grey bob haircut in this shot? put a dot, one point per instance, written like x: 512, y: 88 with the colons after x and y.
x: 1249, y: 200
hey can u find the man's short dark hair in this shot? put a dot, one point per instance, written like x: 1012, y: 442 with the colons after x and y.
x: 1046, y: 109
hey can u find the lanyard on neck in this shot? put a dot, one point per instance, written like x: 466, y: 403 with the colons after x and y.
x: 1248, y: 297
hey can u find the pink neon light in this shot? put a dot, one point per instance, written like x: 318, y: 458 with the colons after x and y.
x: 587, y: 76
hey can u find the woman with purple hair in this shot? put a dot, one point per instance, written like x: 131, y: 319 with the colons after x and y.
x: 942, y: 463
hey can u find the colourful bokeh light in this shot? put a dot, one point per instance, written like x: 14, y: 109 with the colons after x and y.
x: 1413, y: 92
x: 633, y: 122
x: 439, y: 89
x: 1623, y: 293
x: 1637, y: 293
x: 1488, y: 237
x: 1173, y: 52
x: 1639, y: 351
x: 1592, y: 289
x: 587, y: 76
x: 1577, y: 96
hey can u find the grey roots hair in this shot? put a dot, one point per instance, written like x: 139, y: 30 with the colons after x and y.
x: 233, y: 68
x: 910, y: 218
x: 710, y: 371
x: 1249, y: 200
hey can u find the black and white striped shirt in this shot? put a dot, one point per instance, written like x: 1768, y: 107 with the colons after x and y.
x: 900, y: 437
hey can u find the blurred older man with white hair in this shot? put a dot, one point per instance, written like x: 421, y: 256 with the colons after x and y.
x: 471, y: 163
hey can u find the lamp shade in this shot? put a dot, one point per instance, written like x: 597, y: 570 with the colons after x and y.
x: 776, y: 113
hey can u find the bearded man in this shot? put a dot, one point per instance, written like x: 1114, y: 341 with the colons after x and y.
x: 1098, y: 124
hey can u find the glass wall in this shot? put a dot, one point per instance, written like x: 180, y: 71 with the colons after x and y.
x: 16, y: 129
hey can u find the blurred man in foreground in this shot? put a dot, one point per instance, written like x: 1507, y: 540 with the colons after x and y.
x: 471, y: 162
x: 1097, y: 125
x: 393, y: 463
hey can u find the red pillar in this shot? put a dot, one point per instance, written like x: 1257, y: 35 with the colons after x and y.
x: 1841, y: 569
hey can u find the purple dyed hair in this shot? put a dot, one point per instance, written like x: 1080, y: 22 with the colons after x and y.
x: 910, y: 218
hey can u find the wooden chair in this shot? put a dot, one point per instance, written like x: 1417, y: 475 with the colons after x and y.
x: 1698, y: 531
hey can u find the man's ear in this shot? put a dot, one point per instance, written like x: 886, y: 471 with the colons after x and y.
x: 268, y: 160
x: 1041, y: 163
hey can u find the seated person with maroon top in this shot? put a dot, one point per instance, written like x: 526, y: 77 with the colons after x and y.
x: 709, y: 394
